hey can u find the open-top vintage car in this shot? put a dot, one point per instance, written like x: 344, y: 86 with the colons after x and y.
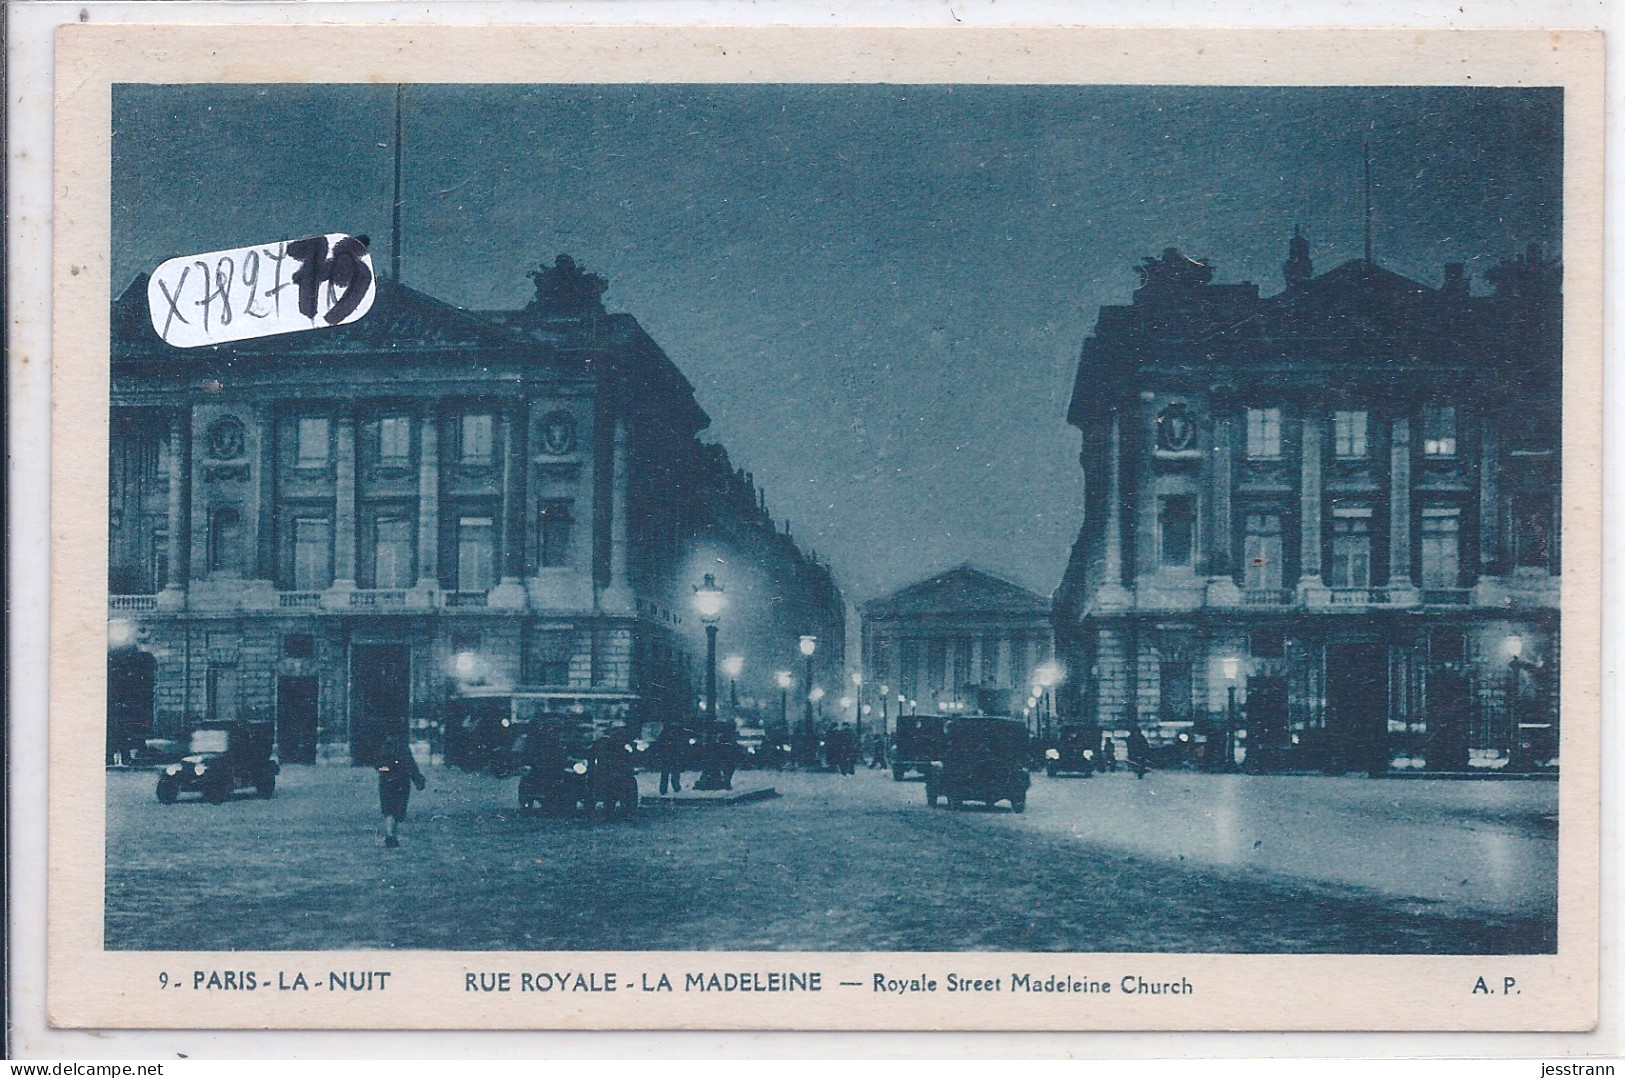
x: 983, y: 759
x: 221, y: 759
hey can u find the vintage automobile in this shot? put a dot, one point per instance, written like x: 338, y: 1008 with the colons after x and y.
x: 556, y: 789
x: 983, y: 759
x: 221, y: 759
x: 915, y: 744
x: 1072, y: 753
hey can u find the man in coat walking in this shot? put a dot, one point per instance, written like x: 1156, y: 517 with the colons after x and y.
x: 397, y: 774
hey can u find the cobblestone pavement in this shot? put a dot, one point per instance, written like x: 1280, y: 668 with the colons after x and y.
x: 1178, y: 862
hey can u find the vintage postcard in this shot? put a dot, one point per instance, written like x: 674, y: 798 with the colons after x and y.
x: 790, y: 528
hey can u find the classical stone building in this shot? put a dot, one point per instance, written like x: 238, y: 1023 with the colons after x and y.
x: 1326, y: 518
x: 390, y: 525
x: 961, y: 640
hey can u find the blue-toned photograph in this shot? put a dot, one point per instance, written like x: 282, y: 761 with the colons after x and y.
x: 797, y: 518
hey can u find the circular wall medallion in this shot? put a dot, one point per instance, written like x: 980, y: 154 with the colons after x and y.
x: 1176, y: 430
x: 226, y: 439
x: 559, y: 433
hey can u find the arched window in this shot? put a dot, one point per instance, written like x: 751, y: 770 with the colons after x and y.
x: 226, y: 541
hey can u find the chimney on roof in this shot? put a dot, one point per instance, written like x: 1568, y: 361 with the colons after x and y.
x: 1298, y: 268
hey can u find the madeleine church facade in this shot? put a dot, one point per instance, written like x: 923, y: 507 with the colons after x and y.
x: 1325, y: 521
x: 350, y: 531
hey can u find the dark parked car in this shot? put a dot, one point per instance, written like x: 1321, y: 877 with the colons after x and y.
x: 1072, y: 753
x: 221, y: 759
x: 983, y: 759
x: 916, y: 743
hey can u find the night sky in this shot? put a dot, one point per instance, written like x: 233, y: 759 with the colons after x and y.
x: 879, y: 292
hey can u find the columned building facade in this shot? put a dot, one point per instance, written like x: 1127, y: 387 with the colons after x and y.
x: 383, y: 527
x: 1321, y: 528
x: 963, y: 640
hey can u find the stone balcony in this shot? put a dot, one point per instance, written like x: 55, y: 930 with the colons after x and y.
x: 239, y: 596
x: 1164, y: 592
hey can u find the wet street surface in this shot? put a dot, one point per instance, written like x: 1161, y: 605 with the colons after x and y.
x: 1176, y: 862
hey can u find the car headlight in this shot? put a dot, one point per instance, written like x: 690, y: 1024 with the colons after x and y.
x: 579, y: 768
x: 1088, y: 754
x: 200, y: 769
x: 173, y: 769
x: 1052, y: 754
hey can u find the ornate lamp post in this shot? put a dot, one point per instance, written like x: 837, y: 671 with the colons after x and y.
x: 809, y: 736
x: 784, y: 681
x: 885, y: 720
x: 1232, y: 669
x: 857, y: 706
x: 708, y: 601
x: 733, y: 666
x: 1519, y: 756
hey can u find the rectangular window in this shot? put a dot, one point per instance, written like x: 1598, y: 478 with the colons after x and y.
x: 1262, y: 551
x: 394, y: 440
x: 555, y: 534
x: 477, y: 439
x: 1531, y: 532
x: 1349, y: 434
x: 1351, y: 548
x: 1439, y: 430
x: 1263, y: 433
x: 393, y: 542
x: 1178, y: 529
x: 1266, y: 643
x: 1174, y: 704
x: 312, y: 554
x: 476, y: 546
x: 160, y: 557
x: 313, y: 442
x: 1441, y: 548
x: 299, y: 646
x: 222, y: 693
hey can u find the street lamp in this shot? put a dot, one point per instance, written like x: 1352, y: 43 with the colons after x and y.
x: 733, y: 666
x: 885, y: 721
x: 1232, y: 669
x: 1518, y: 757
x: 857, y: 707
x: 709, y: 602
x: 809, y: 736
x: 784, y: 681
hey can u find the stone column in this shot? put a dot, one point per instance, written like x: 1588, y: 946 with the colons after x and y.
x: 510, y: 589
x: 1310, y: 586
x: 1002, y: 669
x: 1114, y: 505
x: 1223, y: 589
x: 1112, y: 593
x: 344, y: 504
x: 617, y: 596
x: 976, y: 660
x: 1489, y: 496
x: 429, y: 500
x: 1401, y: 586
x: 175, y: 577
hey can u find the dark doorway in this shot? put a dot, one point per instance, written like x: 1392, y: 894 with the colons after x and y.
x: 380, y: 697
x: 1356, y: 708
x: 130, y: 678
x: 1449, y: 715
x: 1266, y: 723
x: 296, y: 700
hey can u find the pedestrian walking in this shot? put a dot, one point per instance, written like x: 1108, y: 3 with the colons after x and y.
x: 671, y: 749
x: 397, y: 774
x: 1108, y: 755
x: 1139, y: 753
